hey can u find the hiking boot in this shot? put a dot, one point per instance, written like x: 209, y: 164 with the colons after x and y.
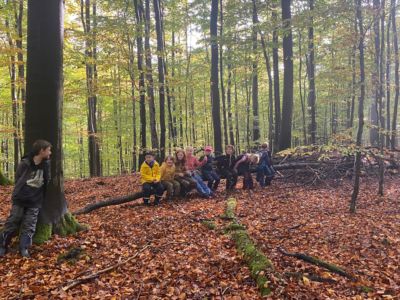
x: 5, y: 240
x: 3, y: 251
x: 24, y: 242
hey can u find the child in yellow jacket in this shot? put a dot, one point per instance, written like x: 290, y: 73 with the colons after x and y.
x: 167, y: 178
x: 150, y: 177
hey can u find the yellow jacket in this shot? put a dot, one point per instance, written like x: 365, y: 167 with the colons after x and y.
x: 167, y: 172
x: 149, y: 174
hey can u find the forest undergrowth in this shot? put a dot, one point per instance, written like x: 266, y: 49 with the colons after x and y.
x: 180, y: 250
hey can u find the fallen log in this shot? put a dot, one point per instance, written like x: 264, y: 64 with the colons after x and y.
x: 108, y: 202
x: 315, y: 261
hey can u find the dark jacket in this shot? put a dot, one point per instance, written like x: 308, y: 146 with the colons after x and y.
x: 208, y: 166
x: 22, y: 194
x: 226, y: 162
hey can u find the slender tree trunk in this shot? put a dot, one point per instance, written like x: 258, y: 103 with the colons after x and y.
x: 229, y: 99
x: 142, y: 90
x: 21, y: 94
x: 275, y: 64
x: 236, y: 114
x: 256, y: 121
x: 214, y: 77
x: 311, y: 76
x: 357, y: 164
x: 388, y: 63
x: 353, y: 79
x: 88, y: 15
x: 161, y: 77
x: 270, y: 91
x: 303, y: 112
x: 287, y: 106
x: 13, y: 91
x: 221, y: 69
x: 396, y: 74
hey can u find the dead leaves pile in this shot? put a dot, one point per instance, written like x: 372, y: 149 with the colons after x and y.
x: 186, y: 260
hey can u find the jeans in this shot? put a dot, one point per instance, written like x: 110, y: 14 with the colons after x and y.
x: 265, y: 174
x: 212, y: 178
x: 201, y: 187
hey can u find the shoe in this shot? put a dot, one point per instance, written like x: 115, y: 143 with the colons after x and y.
x: 146, y: 201
x: 24, y: 252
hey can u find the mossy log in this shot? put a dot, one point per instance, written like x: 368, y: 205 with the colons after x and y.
x: 67, y: 225
x: 315, y: 261
x: 257, y: 262
x: 108, y: 202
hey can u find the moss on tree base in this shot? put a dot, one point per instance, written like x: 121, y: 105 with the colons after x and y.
x: 66, y: 226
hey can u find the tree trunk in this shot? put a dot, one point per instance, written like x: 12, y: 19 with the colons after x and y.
x: 396, y: 74
x: 302, y: 100
x: 256, y: 121
x: 311, y: 76
x: 285, y: 136
x: 149, y: 78
x: 229, y: 100
x: 161, y: 77
x: 221, y: 69
x: 214, y: 77
x: 270, y: 95
x: 388, y: 63
x: 353, y: 79
x: 357, y: 165
x: 44, y: 108
x: 142, y: 90
x: 275, y: 66
x: 91, y: 85
x: 13, y: 91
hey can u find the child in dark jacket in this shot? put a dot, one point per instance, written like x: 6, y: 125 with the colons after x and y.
x: 207, y: 169
x: 265, y: 170
x: 242, y: 167
x: 31, y: 179
x: 150, y: 177
x: 226, y: 164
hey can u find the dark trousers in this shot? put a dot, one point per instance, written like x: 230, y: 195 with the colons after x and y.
x: 231, y: 178
x: 173, y: 188
x: 212, y: 178
x: 153, y: 188
x: 23, y: 219
x: 187, y: 183
x: 247, y: 180
x: 265, y: 174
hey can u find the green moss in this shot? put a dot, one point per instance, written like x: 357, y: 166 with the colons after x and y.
x: 209, y: 224
x: 365, y: 289
x: 230, y: 209
x: 68, y: 225
x: 43, y: 233
x: 234, y: 226
x: 71, y: 256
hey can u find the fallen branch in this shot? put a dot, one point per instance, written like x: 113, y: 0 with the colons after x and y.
x: 81, y: 280
x: 78, y: 281
x: 108, y: 202
x: 315, y: 261
x: 299, y: 276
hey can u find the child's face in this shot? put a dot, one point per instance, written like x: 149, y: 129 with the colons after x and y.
x: 189, y: 151
x: 207, y: 152
x: 229, y: 151
x: 179, y: 155
x: 45, y: 153
x: 169, y: 162
x: 149, y: 158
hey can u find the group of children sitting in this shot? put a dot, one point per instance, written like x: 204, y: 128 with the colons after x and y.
x: 183, y: 172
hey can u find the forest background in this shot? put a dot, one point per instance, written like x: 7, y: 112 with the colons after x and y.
x: 137, y: 76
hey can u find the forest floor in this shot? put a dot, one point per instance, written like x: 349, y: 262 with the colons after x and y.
x: 177, y: 257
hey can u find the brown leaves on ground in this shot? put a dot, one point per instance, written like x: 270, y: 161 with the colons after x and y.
x: 186, y: 260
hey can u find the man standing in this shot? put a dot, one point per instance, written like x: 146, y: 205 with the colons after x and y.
x: 31, y: 179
